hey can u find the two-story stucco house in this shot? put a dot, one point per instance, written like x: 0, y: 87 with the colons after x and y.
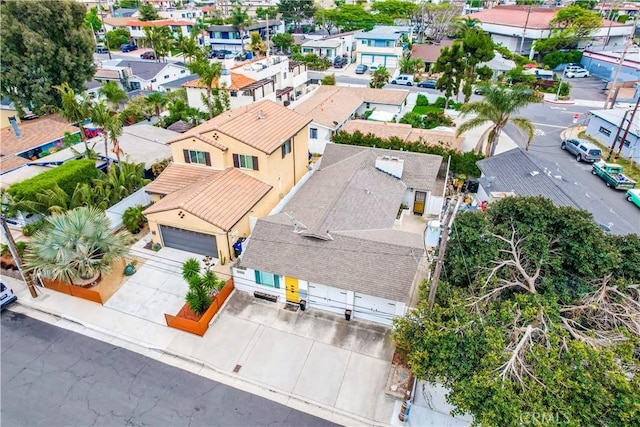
x: 275, y: 78
x: 225, y: 174
x: 383, y: 46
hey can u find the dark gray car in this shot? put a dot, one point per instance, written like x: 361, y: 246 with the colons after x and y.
x: 582, y: 149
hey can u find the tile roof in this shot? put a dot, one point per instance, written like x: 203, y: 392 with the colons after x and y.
x: 35, y: 133
x: 222, y: 199
x: 514, y: 171
x: 263, y: 125
x: 238, y: 81
x: 117, y: 21
x: 429, y: 52
x: 353, y: 206
x: 177, y: 176
x: 518, y: 16
x: 338, y: 103
x: 405, y: 132
x: 157, y: 23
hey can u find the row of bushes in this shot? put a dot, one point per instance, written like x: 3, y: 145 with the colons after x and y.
x: 65, y: 176
x: 553, y: 59
x: 423, y: 101
x: 460, y: 163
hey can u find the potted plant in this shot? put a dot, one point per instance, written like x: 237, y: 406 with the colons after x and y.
x: 133, y: 219
x: 130, y: 268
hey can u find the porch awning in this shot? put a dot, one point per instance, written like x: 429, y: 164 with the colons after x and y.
x: 281, y: 92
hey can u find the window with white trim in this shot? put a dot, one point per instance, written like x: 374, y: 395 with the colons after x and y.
x: 313, y: 133
x: 267, y: 279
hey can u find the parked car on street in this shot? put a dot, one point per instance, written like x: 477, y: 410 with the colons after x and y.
x: 6, y: 295
x: 148, y: 55
x: 428, y: 84
x: 128, y: 47
x: 340, y: 62
x: 101, y: 49
x: 582, y: 149
x: 577, y: 73
x: 633, y: 195
x: 361, y: 69
x: 403, y: 79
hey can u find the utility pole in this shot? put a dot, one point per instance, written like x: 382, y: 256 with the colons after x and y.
x: 615, y: 77
x: 626, y: 132
x: 28, y: 278
x: 448, y: 223
x: 613, y: 144
x: 106, y: 39
x: 525, y: 29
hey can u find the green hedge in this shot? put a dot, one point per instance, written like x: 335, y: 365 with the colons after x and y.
x: 460, y: 163
x: 65, y: 176
x: 553, y: 59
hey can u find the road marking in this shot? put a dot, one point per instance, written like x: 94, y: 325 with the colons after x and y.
x: 558, y: 108
x: 550, y: 126
x: 538, y: 132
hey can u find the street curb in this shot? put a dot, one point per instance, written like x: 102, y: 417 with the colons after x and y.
x: 234, y: 378
x: 559, y: 102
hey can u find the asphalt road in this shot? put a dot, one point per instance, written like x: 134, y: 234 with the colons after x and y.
x: 54, y: 377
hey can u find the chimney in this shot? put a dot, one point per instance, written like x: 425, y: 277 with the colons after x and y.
x: 14, y: 124
x: 391, y: 165
x: 225, y: 78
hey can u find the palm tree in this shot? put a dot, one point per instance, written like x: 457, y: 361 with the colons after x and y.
x: 188, y: 47
x: 497, y: 107
x: 114, y: 128
x: 101, y: 116
x: 240, y: 19
x: 258, y: 46
x: 411, y: 65
x: 78, y: 245
x: 159, y: 39
x: 209, y: 73
x: 75, y: 109
x: 462, y: 25
x: 156, y: 101
x: 379, y: 78
x: 114, y: 94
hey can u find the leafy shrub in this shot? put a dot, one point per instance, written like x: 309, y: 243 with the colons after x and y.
x: 201, y: 285
x: 553, y: 59
x: 32, y: 228
x: 133, y: 219
x: 440, y: 102
x: 21, y: 247
x: 484, y: 72
x: 329, y: 80
x: 158, y: 167
x: 422, y: 100
x: 65, y: 176
x: 565, y: 89
x: 4, y: 250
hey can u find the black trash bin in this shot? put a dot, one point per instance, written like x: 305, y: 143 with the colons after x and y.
x: 347, y: 315
x: 303, y: 305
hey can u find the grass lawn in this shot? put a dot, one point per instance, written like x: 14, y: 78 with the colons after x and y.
x: 424, y: 109
x: 630, y: 169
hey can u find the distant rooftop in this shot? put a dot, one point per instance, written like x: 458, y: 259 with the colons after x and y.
x: 384, y: 33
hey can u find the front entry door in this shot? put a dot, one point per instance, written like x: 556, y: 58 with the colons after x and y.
x: 291, y: 285
x: 418, y: 203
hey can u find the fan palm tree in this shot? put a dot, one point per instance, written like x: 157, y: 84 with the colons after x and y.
x: 77, y: 245
x: 379, y: 78
x: 209, y: 73
x: 257, y: 45
x: 462, y: 25
x: 75, y: 108
x: 156, y: 101
x: 497, y: 108
x: 114, y: 94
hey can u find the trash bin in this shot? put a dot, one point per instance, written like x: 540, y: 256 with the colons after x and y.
x: 303, y: 305
x: 347, y: 315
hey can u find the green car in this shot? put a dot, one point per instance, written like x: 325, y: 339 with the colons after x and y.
x: 633, y: 196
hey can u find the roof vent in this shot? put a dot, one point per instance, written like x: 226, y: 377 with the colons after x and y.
x: 316, y: 235
x: 261, y: 115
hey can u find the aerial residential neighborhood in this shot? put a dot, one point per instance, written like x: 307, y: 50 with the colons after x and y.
x: 318, y: 212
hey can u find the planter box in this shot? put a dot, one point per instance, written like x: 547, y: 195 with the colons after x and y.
x: 76, y: 291
x: 200, y: 326
x: 398, y: 221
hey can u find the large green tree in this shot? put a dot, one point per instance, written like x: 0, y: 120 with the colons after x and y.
x: 478, y: 47
x: 42, y: 45
x: 571, y: 24
x: 92, y: 20
x: 283, y: 41
x: 537, y: 321
x: 497, y: 108
x: 148, y: 12
x: 452, y: 65
x: 296, y: 11
x: 395, y: 9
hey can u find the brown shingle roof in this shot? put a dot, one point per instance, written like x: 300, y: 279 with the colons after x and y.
x: 516, y: 16
x: 221, y: 200
x: 263, y: 125
x: 337, y: 103
x: 177, y: 176
x: 429, y: 52
x: 35, y: 133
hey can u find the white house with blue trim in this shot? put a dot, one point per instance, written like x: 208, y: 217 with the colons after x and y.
x: 609, y: 125
x: 383, y: 46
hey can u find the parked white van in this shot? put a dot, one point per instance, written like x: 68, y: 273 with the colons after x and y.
x: 403, y: 79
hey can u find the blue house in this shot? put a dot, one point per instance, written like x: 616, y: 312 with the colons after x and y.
x: 383, y: 46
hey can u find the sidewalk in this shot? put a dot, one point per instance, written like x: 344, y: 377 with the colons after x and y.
x: 307, y: 362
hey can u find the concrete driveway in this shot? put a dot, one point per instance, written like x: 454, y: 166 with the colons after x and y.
x: 316, y: 356
x: 156, y: 288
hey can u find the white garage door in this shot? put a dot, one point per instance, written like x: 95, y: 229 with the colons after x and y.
x: 375, y: 309
x: 391, y: 62
x: 367, y: 59
x: 327, y: 298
